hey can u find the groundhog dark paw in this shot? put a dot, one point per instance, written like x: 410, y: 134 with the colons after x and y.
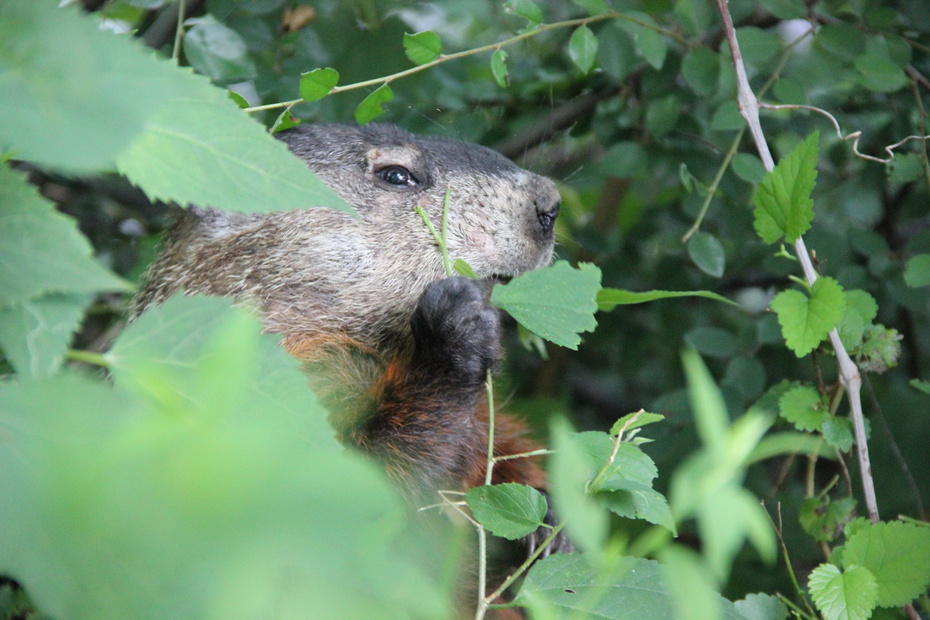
x: 560, y: 544
x: 456, y: 330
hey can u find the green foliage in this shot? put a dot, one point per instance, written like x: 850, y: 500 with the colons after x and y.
x: 204, y: 466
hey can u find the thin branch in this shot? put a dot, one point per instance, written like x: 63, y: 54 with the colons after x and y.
x: 849, y: 373
x: 492, y: 47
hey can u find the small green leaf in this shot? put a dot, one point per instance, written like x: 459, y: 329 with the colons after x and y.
x: 917, y: 270
x: 897, y: 554
x: 783, y: 204
x: 593, y: 7
x: 701, y: 69
x: 838, y: 432
x: 803, y: 407
x: 464, y: 269
x: 923, y: 386
x: 825, y: 518
x: 582, y: 48
x: 635, y: 420
x: 372, y: 106
x: 879, y: 73
x: 652, y: 46
x: 238, y: 99
x: 786, y: 9
x: 707, y: 253
x: 757, y: 46
x: 843, y: 596
x: 218, y: 51
x: 727, y: 118
x: 499, y: 68
x: 610, y: 298
x: 422, y: 47
x: 316, y: 84
x: 806, y: 321
x: 748, y: 167
x: 557, y: 302
x: 525, y: 9
x: 880, y: 350
x: 285, y: 120
x: 761, y: 607
x: 41, y: 250
x: 508, y: 510
x: 713, y: 341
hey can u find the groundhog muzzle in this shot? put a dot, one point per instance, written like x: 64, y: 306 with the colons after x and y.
x: 397, y: 351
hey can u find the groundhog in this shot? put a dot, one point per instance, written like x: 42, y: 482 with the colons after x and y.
x: 398, y: 351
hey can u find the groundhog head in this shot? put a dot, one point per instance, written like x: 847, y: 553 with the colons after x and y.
x: 501, y: 217
x: 318, y: 272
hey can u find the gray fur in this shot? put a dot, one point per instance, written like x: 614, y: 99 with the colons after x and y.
x: 317, y: 272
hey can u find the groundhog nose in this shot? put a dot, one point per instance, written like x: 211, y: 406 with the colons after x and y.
x: 546, y: 214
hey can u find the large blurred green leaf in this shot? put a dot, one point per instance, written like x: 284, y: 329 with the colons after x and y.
x: 114, y: 505
x: 72, y: 96
x: 42, y: 251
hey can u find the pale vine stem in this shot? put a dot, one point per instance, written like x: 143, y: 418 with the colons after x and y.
x: 849, y: 373
x: 492, y: 47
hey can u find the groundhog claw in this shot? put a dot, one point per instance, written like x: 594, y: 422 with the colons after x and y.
x: 455, y: 329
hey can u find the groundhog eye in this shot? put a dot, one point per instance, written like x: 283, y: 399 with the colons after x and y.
x: 397, y: 175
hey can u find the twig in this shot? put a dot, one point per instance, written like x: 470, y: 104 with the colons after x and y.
x: 492, y: 47
x: 849, y: 373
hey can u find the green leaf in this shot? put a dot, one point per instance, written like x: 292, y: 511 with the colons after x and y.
x: 217, y: 51
x: 803, y: 407
x: 707, y: 253
x: 897, y: 554
x: 316, y: 84
x: 508, y: 510
x: 570, y: 471
x: 843, y: 596
x: 806, y: 322
x: 861, y: 309
x: 756, y: 45
x: 748, y: 167
x: 204, y: 151
x: 783, y: 204
x: 727, y: 117
x: 691, y: 585
x: 499, y: 68
x: 838, y: 432
x: 526, y: 9
x: 879, y: 73
x: 824, y: 518
x: 41, y: 250
x: 593, y: 7
x: 285, y: 121
x: 422, y: 47
x: 710, y: 411
x: 462, y: 268
x: 34, y: 334
x: 635, y: 420
x: 713, y: 341
x: 610, y: 298
x: 51, y: 102
x: 700, y: 68
x: 372, y: 106
x: 582, y: 48
x: 917, y: 270
x: 779, y: 444
x: 881, y: 349
x: 786, y: 9
x: 923, y: 386
x: 638, y: 501
x: 569, y: 585
x: 557, y: 302
x: 652, y: 46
